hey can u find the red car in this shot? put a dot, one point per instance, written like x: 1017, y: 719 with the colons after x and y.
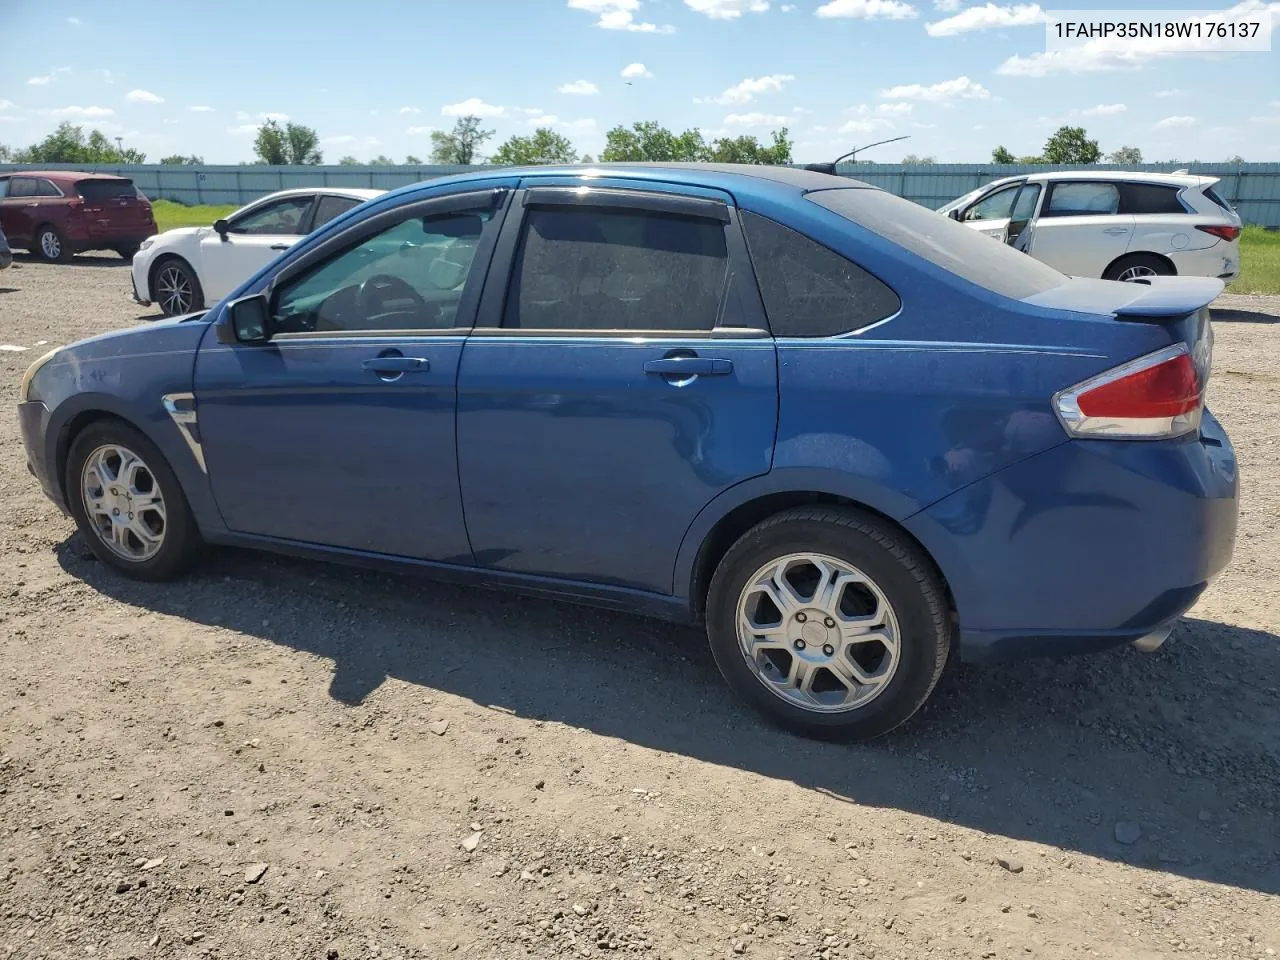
x: 61, y: 213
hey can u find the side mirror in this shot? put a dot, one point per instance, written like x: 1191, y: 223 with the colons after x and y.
x: 250, y: 319
x: 954, y: 214
x: 221, y: 227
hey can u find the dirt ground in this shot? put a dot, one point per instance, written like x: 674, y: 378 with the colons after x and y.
x: 276, y: 759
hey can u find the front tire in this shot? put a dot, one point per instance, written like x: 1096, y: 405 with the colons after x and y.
x: 1137, y: 267
x: 830, y: 622
x: 175, y: 288
x: 128, y: 503
x: 51, y: 245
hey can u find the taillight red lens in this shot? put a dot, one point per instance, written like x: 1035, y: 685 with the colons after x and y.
x: 1155, y: 397
x: 1226, y: 233
x: 1168, y: 389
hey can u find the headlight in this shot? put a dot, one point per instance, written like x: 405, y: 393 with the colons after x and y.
x: 146, y: 244
x: 24, y: 390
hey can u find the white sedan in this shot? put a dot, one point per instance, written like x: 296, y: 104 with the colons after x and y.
x: 185, y: 269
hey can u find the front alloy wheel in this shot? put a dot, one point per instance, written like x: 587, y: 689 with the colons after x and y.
x: 174, y: 290
x: 123, y: 502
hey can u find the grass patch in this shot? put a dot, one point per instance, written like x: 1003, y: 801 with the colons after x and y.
x: 169, y: 214
x: 1259, y: 262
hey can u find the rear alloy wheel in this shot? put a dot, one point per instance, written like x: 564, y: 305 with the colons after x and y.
x: 1138, y: 267
x: 176, y: 289
x: 51, y: 246
x: 128, y: 503
x: 830, y: 622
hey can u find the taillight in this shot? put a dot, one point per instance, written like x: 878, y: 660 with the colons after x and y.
x: 1226, y: 233
x: 1154, y: 397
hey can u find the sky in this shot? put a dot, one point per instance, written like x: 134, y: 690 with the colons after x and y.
x: 375, y: 77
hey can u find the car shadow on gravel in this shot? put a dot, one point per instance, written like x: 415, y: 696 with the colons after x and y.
x: 1183, y: 743
x: 1244, y: 316
x: 79, y: 260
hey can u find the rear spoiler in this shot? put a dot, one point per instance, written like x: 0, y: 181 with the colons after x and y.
x: 1170, y: 298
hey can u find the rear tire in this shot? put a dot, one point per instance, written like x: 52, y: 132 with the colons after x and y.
x: 175, y: 288
x: 51, y: 245
x: 1137, y: 267
x: 870, y: 640
x: 127, y: 251
x: 128, y: 504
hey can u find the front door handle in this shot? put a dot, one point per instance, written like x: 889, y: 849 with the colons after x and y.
x: 1116, y: 231
x: 397, y: 365
x: 679, y: 367
x: 280, y: 246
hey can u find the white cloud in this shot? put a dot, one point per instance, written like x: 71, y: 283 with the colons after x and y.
x: 894, y: 109
x: 961, y: 88
x: 48, y: 78
x: 987, y: 17
x: 870, y: 125
x: 74, y: 21
x: 867, y: 10
x: 636, y: 71
x: 748, y: 89
x: 1111, y: 53
x: 726, y: 9
x: 1171, y: 93
x: 7, y: 105
x: 1105, y: 110
x: 244, y: 128
x: 8, y: 119
x: 580, y: 126
x: 618, y: 15
x: 755, y: 120
x: 200, y: 108
x: 788, y: 8
x: 143, y: 96
x: 474, y: 107
x: 419, y: 130
x: 85, y: 113
x: 580, y: 87
x: 948, y: 6
x: 1169, y: 123
x: 409, y: 110
x: 107, y: 76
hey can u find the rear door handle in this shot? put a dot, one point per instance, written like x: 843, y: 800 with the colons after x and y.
x: 280, y: 246
x: 393, y: 365
x: 689, y: 367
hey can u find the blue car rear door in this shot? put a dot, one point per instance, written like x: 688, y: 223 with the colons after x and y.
x: 340, y: 430
x: 620, y: 376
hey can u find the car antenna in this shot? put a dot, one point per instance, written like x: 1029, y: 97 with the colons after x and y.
x: 830, y: 168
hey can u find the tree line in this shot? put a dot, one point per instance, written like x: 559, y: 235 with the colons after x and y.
x: 295, y: 143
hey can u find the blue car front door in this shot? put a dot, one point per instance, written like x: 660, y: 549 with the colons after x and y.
x: 340, y: 430
x: 617, y: 383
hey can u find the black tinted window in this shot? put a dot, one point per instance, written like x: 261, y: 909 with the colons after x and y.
x: 329, y: 207
x: 942, y: 241
x: 809, y: 290
x: 22, y: 187
x: 46, y: 189
x: 4, y: 187
x: 1149, y: 198
x: 1213, y: 195
x: 106, y: 189
x: 594, y: 269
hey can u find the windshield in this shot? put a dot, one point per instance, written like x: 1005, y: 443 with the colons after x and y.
x: 943, y: 242
x: 961, y: 201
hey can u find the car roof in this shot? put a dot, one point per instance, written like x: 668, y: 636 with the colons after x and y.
x: 66, y: 176
x: 1130, y: 176
x: 356, y: 193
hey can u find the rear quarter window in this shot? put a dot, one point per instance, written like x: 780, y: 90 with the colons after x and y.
x: 942, y: 241
x: 1149, y: 198
x: 106, y: 189
x: 1216, y: 197
x: 808, y: 289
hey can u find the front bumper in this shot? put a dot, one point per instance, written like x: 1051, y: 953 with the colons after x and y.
x: 33, y: 421
x: 1089, y: 545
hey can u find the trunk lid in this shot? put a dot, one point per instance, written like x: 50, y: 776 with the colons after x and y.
x: 115, y: 201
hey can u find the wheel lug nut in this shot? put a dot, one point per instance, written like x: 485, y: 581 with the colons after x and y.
x: 799, y: 644
x: 801, y: 618
x: 829, y: 622
x: 828, y: 649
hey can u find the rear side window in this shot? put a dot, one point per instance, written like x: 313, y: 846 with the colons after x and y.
x: 22, y: 187
x: 1213, y: 195
x: 942, y: 241
x: 1149, y: 198
x: 1082, y: 200
x: 329, y: 207
x: 44, y: 188
x: 106, y: 189
x: 598, y: 269
x: 808, y: 289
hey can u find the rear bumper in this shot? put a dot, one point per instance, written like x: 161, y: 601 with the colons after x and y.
x: 1090, y: 545
x: 1222, y: 260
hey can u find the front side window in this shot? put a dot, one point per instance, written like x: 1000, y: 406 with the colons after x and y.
x: 599, y: 269
x: 1083, y: 200
x: 283, y: 217
x: 410, y: 276
x: 997, y: 206
x: 808, y: 289
x: 328, y: 207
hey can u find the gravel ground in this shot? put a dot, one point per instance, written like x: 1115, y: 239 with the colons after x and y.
x: 278, y: 759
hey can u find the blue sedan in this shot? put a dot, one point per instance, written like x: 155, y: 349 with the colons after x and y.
x: 848, y: 435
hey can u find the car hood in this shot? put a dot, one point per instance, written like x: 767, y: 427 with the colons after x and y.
x: 172, y: 334
x: 179, y: 233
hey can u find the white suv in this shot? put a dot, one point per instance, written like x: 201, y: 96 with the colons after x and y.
x: 1110, y: 224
